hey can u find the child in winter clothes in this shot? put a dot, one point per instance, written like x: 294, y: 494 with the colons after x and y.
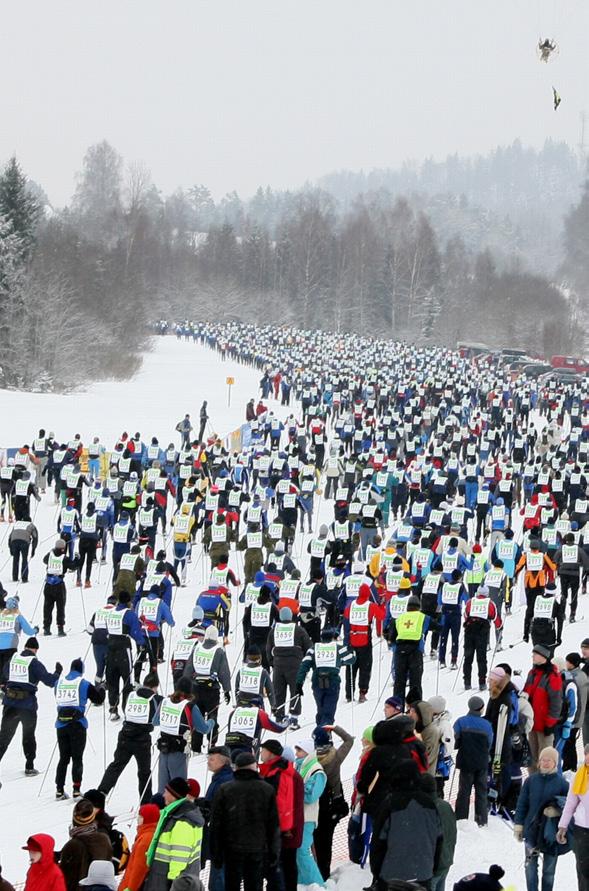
x: 315, y: 780
x: 44, y: 874
x: 136, y: 870
x: 442, y: 719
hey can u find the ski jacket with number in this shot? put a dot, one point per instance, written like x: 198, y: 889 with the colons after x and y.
x: 544, y: 688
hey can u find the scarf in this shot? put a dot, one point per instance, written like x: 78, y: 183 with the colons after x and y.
x: 83, y: 830
x: 580, y: 781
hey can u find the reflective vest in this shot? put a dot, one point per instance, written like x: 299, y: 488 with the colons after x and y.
x: 410, y: 625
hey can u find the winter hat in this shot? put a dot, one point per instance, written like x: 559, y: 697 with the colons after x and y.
x: 476, y: 549
x: 244, y: 759
x: 100, y: 873
x: 574, y: 659
x: 150, y: 813
x: 438, y: 704
x: 219, y: 750
x: 178, y: 787
x: 497, y: 674
x: 323, y: 530
x: 322, y: 738
x: 32, y: 644
x: 288, y: 754
x: 279, y: 547
x: 212, y: 633
x: 541, y: 651
x: 585, y: 642
x: 367, y: 735
x: 274, y: 746
x: 12, y: 602
x: 285, y: 614
x: 413, y: 602
x: 198, y: 614
x: 305, y: 745
x: 193, y: 787
x: 60, y: 544
x: 77, y: 665
x: 549, y: 752
x: 395, y: 702
x: 84, y: 812
x: 475, y: 704
x: 184, y: 686
x: 97, y: 798
x: 259, y: 579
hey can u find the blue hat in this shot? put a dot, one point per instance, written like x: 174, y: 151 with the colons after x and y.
x: 322, y: 737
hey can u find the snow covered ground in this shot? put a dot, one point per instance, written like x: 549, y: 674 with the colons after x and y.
x: 174, y: 379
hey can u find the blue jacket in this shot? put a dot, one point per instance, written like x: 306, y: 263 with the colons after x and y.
x: 473, y: 737
x: 87, y: 692
x: 163, y: 615
x: 225, y: 775
x: 131, y: 624
x: 537, y: 791
x: 9, y: 640
x: 37, y: 674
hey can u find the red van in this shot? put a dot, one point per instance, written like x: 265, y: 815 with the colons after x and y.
x: 571, y: 363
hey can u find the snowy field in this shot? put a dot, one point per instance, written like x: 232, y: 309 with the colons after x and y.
x: 174, y: 379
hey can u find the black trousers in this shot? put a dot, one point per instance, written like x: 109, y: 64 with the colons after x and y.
x: 408, y: 667
x: 11, y: 718
x: 20, y: 553
x: 569, y: 751
x: 467, y: 780
x: 476, y: 638
x: 323, y: 841
x: 207, y: 697
x: 53, y: 596
x: 246, y: 868
x: 71, y: 742
x: 5, y: 657
x: 87, y: 556
x: 118, y: 669
x: 361, y: 669
x: 581, y: 849
x: 139, y: 748
x: 569, y: 583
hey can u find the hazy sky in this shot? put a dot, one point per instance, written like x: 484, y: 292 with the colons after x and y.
x: 237, y: 94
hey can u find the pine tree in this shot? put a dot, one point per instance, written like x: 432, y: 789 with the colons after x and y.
x: 18, y: 206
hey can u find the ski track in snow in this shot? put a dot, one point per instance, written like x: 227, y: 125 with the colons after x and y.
x: 174, y: 379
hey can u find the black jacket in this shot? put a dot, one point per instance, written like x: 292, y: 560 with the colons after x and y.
x: 394, y: 742
x: 244, y: 819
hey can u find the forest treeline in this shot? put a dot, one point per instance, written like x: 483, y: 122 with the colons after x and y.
x: 385, y: 253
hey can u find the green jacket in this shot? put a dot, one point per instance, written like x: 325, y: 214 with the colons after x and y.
x: 177, y: 839
x: 448, y: 821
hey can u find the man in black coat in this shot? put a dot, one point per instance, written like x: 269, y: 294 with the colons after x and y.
x: 244, y: 829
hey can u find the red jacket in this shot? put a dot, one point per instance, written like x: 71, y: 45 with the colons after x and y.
x: 359, y: 635
x: 544, y: 689
x: 46, y: 874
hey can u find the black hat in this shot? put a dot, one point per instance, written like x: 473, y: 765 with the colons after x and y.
x: 254, y: 652
x: 178, y: 787
x: 273, y: 745
x: 97, y: 798
x: 585, y: 643
x: 245, y: 759
x: 77, y: 665
x: 32, y: 644
x: 219, y: 750
x: 184, y: 685
x: 574, y: 659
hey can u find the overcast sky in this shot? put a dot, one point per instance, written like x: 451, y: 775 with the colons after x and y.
x: 248, y: 92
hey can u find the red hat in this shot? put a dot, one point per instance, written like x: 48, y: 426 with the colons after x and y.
x: 476, y: 549
x: 150, y: 813
x: 193, y: 788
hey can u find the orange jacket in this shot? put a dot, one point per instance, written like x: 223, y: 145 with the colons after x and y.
x: 136, y: 870
x: 537, y: 578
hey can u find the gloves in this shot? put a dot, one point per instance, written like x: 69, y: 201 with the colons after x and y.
x: 58, y: 668
x: 227, y: 697
x: 561, y: 836
x: 518, y: 833
x: 299, y: 689
x: 496, y: 768
x: 566, y: 730
x: 36, y: 629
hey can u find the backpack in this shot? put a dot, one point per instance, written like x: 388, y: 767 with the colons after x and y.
x: 444, y: 762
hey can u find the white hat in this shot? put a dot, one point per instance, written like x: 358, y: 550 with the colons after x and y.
x: 305, y: 745
x: 100, y: 872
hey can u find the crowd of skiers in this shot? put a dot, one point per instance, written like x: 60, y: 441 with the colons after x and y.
x: 454, y: 492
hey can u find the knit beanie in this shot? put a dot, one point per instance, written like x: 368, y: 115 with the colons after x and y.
x: 178, y: 787
x: 84, y: 813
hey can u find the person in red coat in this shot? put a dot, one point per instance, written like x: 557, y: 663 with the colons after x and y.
x: 544, y: 689
x: 359, y: 617
x: 290, y: 794
x: 44, y: 874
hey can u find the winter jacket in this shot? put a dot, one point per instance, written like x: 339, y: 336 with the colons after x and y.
x: 244, y: 819
x: 577, y: 808
x: 78, y: 853
x: 499, y: 696
x: 355, y: 633
x: 315, y: 780
x: 473, y: 737
x: 225, y: 775
x: 431, y: 735
x: 136, y: 870
x: 331, y: 759
x: 406, y: 838
x: 45, y: 875
x: 582, y: 684
x: 289, y: 788
x: 449, y: 835
x: 544, y: 689
x: 175, y: 846
x: 394, y: 741
x: 537, y: 791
